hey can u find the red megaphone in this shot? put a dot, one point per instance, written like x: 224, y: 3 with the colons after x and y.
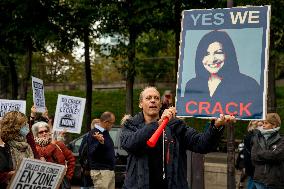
x: 154, y: 138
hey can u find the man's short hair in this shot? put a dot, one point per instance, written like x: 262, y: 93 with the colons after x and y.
x: 106, y: 116
x: 148, y: 87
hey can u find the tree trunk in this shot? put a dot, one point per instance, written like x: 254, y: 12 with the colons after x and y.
x: 271, y: 97
x: 89, y: 84
x: 4, y: 80
x: 130, y: 72
x: 28, y: 68
x: 14, y: 79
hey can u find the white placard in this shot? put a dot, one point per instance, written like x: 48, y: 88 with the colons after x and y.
x: 37, y: 174
x: 69, y: 113
x: 12, y: 105
x: 38, y: 94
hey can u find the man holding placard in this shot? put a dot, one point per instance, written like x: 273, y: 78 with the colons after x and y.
x: 164, y: 164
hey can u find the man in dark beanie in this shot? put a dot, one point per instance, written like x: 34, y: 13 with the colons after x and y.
x: 268, y: 154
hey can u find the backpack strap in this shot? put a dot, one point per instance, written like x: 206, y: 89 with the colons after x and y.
x: 58, y: 147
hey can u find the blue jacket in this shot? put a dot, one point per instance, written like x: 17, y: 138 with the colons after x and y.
x: 134, y: 135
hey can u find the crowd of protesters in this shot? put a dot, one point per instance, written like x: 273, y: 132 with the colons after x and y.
x: 163, y: 165
x: 31, y: 137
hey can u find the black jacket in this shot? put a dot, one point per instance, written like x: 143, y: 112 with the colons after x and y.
x: 134, y: 135
x: 101, y: 156
x: 6, y: 165
x: 268, y: 159
x: 249, y: 168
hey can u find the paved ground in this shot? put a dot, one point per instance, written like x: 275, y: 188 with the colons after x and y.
x: 216, y: 157
x: 215, y: 176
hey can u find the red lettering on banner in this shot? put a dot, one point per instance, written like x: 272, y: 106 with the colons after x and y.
x: 245, y: 108
x: 205, y: 106
x: 231, y: 108
x: 187, y: 107
x: 217, y: 108
x: 228, y: 105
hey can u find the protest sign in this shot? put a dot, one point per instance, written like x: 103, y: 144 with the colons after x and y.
x: 38, y: 94
x: 223, y: 63
x: 12, y: 105
x: 37, y: 174
x: 69, y: 113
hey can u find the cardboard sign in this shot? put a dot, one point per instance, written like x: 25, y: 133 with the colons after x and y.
x: 36, y: 174
x: 223, y: 63
x: 38, y: 94
x: 12, y: 105
x: 69, y: 113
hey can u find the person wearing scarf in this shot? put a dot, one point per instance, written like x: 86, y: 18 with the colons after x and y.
x: 52, y: 151
x: 13, y: 145
x: 268, y: 154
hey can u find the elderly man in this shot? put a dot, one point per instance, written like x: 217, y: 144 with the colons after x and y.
x: 267, y: 154
x: 163, y: 166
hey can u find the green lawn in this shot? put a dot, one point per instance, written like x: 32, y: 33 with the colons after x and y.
x: 114, y: 101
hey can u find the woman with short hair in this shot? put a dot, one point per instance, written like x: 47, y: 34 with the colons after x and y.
x: 56, y: 151
x: 267, y: 154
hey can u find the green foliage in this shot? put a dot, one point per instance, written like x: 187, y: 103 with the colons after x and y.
x: 277, y: 20
x: 153, y: 51
x: 279, y: 67
x: 103, y: 71
x: 114, y: 101
x: 56, y: 67
x: 128, y: 20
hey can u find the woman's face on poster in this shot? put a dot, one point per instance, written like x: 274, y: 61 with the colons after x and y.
x: 214, y: 58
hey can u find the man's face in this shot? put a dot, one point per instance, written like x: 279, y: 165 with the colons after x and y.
x: 110, y: 123
x: 150, y: 102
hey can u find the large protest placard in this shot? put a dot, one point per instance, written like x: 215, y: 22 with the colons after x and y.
x: 38, y: 94
x: 12, y: 105
x: 69, y: 113
x: 223, y: 63
x: 37, y: 174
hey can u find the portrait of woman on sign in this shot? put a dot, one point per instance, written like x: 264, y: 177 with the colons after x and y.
x: 218, y: 85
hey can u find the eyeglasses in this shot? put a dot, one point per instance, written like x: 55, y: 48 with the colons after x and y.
x: 44, y: 131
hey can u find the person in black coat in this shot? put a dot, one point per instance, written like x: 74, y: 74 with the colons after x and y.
x: 249, y: 168
x: 163, y: 166
x: 6, y: 166
x: 86, y: 180
x: 267, y: 154
x: 219, y: 80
